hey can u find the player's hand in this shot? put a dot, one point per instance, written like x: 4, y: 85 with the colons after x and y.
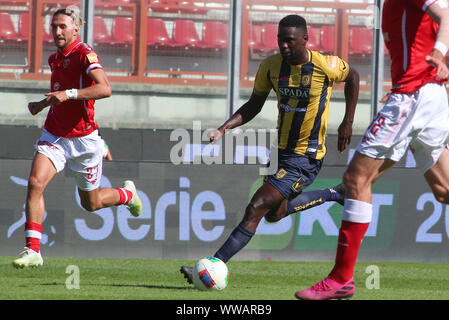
x: 344, y: 135
x: 385, y: 98
x: 57, y: 97
x: 215, y: 135
x: 35, y: 107
x: 436, y: 60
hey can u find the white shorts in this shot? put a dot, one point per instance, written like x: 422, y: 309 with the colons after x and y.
x: 419, y: 120
x: 83, y: 156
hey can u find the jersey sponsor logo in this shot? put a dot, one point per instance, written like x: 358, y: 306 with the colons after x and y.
x: 295, y: 93
x: 92, y: 57
x: 287, y: 108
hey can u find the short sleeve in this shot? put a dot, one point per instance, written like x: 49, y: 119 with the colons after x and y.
x: 336, y: 68
x: 262, y: 84
x: 90, y: 60
x: 423, y: 4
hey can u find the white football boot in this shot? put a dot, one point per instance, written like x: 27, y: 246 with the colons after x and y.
x: 28, y: 258
x: 135, y: 204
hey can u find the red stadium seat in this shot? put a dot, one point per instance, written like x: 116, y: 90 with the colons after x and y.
x: 24, y: 25
x: 269, y: 38
x: 184, y: 34
x: 7, y: 31
x: 122, y: 31
x: 101, y: 35
x: 190, y: 8
x: 328, y: 39
x: 255, y: 38
x: 47, y: 37
x: 314, y: 42
x: 215, y: 34
x: 360, y: 41
x: 157, y: 33
x: 164, y: 6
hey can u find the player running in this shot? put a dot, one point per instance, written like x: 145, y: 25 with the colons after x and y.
x: 70, y: 136
x: 302, y: 80
x: 415, y: 115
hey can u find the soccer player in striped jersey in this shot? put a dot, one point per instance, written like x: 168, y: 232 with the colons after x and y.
x: 70, y: 136
x: 302, y: 80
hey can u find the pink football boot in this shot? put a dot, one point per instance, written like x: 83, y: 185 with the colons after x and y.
x: 327, y: 289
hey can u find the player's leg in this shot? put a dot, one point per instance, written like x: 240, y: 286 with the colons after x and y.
x: 362, y: 172
x: 294, y: 173
x: 87, y: 169
x: 265, y: 198
x: 42, y: 172
x: 357, y: 212
x: 306, y: 200
x: 100, y: 198
x: 438, y: 177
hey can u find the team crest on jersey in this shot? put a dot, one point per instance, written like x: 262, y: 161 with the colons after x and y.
x: 56, y: 86
x: 92, y: 57
x: 66, y: 63
x: 305, y: 80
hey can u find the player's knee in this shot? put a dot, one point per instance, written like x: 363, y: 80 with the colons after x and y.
x: 354, y: 182
x: 35, y: 184
x: 271, y: 217
x: 441, y: 194
x: 253, y: 213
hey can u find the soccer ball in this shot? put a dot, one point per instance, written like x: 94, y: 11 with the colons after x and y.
x: 210, y: 273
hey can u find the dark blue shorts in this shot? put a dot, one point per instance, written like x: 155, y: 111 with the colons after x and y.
x: 295, y: 172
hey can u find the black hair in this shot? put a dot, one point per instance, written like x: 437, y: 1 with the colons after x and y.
x: 294, y: 20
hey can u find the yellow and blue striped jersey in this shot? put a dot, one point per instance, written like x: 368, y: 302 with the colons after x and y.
x: 303, y: 93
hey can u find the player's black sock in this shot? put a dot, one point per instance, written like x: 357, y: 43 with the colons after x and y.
x: 310, y: 199
x: 236, y: 241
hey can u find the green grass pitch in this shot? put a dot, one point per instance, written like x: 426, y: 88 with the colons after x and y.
x: 139, y: 279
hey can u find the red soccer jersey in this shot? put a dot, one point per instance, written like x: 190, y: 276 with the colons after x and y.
x: 409, y: 35
x: 70, y: 70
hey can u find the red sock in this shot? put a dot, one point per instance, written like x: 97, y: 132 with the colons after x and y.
x: 349, y: 241
x: 33, y: 234
x: 125, y: 195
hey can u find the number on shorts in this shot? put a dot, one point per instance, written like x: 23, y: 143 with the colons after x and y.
x: 376, y: 124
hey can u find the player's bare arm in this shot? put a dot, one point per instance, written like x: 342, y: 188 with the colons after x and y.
x: 37, y: 106
x: 243, y: 115
x: 439, y: 12
x: 101, y: 89
x: 351, y: 96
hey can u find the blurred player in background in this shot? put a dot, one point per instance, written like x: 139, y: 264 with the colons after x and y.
x: 416, y: 33
x: 70, y: 134
x: 302, y: 80
x: 107, y: 151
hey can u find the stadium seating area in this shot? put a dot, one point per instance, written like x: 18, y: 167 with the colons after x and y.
x: 195, y: 32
